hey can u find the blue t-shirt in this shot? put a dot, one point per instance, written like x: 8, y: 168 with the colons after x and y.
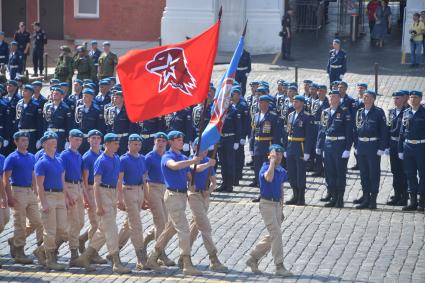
x: 1, y: 166
x: 39, y: 154
x: 22, y: 166
x: 51, y: 169
x: 272, y: 189
x: 153, y: 166
x: 108, y: 168
x: 88, y: 163
x: 72, y: 163
x: 133, y: 168
x: 174, y: 179
x: 201, y: 177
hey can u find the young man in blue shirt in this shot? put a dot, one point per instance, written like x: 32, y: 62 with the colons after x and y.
x: 175, y: 168
x: 19, y: 184
x: 52, y: 193
x: 271, y: 177
x: 107, y: 198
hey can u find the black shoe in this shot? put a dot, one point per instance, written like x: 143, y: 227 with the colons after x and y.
x: 317, y: 174
x: 331, y: 203
x: 251, y: 163
x: 394, y: 201
x: 372, y: 201
x: 421, y: 203
x: 301, y: 197
x: 359, y: 200
x: 34, y: 75
x: 365, y: 202
x: 229, y: 189
x: 257, y: 199
x: 340, y: 200
x: 327, y: 198
x: 413, y: 205
x: 253, y: 184
x: 355, y: 167
x: 221, y: 188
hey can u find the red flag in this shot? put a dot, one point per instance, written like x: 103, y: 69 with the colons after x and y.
x: 168, y: 78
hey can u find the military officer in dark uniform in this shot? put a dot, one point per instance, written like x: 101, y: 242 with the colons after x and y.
x: 117, y: 121
x: 288, y: 107
x: 411, y: 149
x: 334, y: 140
x: 94, y: 54
x: 148, y: 129
x: 358, y: 103
x: 296, y: 144
x: 4, y: 50
x: 337, y: 63
x: 181, y: 121
x: 11, y: 99
x: 104, y: 96
x: 23, y: 38
x: 29, y: 116
x: 395, y: 116
x: 58, y: 117
x: 318, y: 105
x: 37, y: 96
x: 39, y: 40
x: 347, y: 102
x: 281, y: 95
x: 243, y: 70
x: 16, y: 61
x: 286, y: 35
x: 371, y: 139
x: 88, y: 116
x: 72, y: 100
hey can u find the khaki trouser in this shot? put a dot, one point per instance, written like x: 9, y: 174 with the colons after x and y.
x: 26, y: 206
x: 4, y: 217
x: 200, y: 222
x: 155, y: 196
x: 272, y: 215
x: 176, y: 207
x: 107, y: 230
x: 91, y: 213
x: 133, y: 199
x: 75, y: 214
x: 55, y: 220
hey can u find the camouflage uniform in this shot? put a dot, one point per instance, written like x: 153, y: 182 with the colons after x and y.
x: 64, y: 68
x: 84, y: 66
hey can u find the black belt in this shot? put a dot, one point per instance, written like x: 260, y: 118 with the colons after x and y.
x: 72, y: 182
x: 271, y: 199
x: 132, y: 185
x: 107, y: 186
x: 53, y: 190
x: 183, y: 191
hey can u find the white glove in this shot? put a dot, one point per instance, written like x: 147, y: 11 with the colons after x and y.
x: 38, y: 144
x: 355, y: 151
x: 380, y: 152
x: 186, y: 147
x: 66, y: 145
x: 246, y: 74
x: 318, y: 151
x: 252, y: 153
x: 235, y: 146
x: 5, y: 143
x: 341, y: 77
x: 242, y: 141
x: 284, y: 154
x: 211, y: 148
x: 346, y: 154
x: 401, y: 155
x: 387, y: 151
x: 306, y: 156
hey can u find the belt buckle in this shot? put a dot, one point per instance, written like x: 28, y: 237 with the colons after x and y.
x: 413, y: 141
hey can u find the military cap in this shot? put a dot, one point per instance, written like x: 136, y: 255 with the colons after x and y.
x: 362, y: 85
x: 112, y: 79
x: 175, y: 134
x: 93, y: 42
x: 343, y: 83
x: 322, y: 87
x: 134, y: 137
x: 398, y: 93
x: 371, y: 92
x: 105, y: 82
x: 88, y: 91
x: 293, y: 84
x: 280, y: 82
x: 109, y: 137
x: 336, y: 92
x: 117, y: 92
x: 106, y: 43
x: 314, y: 85
x: 65, y: 48
x: 416, y: 92
x: 308, y: 81
x: 160, y: 135
x: 65, y: 84
x: 58, y: 89
x: 276, y: 147
x: 262, y: 89
x: 405, y: 91
x: 13, y: 43
x: 236, y: 89
x: 254, y: 83
x: 94, y: 132
x: 78, y: 81
x: 29, y: 87
x: 292, y: 87
x: 48, y: 136
x: 299, y: 97
x: 335, y: 82
x: 90, y: 86
x: 336, y: 40
x: 19, y: 134
x: 54, y: 81
x: 12, y: 82
x: 76, y: 133
x: 266, y: 98
x: 117, y: 87
x: 37, y: 83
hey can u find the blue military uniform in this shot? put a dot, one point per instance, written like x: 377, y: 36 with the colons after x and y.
x: 40, y: 39
x: 337, y: 65
x: 298, y: 141
x: 316, y: 109
x: 59, y: 121
x: 243, y: 110
x: 230, y: 136
x: 243, y: 70
x: 147, y: 131
x: 181, y: 121
x: 10, y: 124
x: 41, y: 100
x: 4, y: 52
x: 412, y: 149
x: 16, y: 64
x: 30, y: 119
x: 371, y: 136
x: 88, y: 118
x: 334, y: 138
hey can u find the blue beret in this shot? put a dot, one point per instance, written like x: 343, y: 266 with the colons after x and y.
x: 299, y: 97
x: 343, y: 83
x: 314, y: 85
x: 405, y: 91
x: 111, y: 137
x: 336, y: 92
x: 292, y: 87
x: 336, y: 40
x: 54, y: 81
x: 113, y: 79
x: 160, y: 135
x: 264, y: 83
x: 308, y: 81
x: 416, y: 92
x: 12, y: 82
x: 94, y: 132
x: 276, y: 147
x: 105, y: 82
x: 175, y: 134
x: 118, y: 92
x: 78, y: 81
x: 235, y: 83
x: 266, y: 98
x: 134, y: 137
x: 262, y: 89
x: 371, y: 92
x: 76, y: 133
x: 48, y: 136
x: 93, y: 42
x: 236, y: 89
x: 362, y: 85
x: 117, y: 87
x: 64, y: 84
x: 106, y: 43
x: 398, y: 94
x: 88, y: 81
x: 18, y: 135
x: 254, y: 83
x: 58, y: 89
x: 335, y: 82
x: 324, y: 87
x: 293, y: 84
x: 29, y: 87
x: 280, y: 82
x: 13, y: 43
x: 37, y: 83
x: 88, y: 91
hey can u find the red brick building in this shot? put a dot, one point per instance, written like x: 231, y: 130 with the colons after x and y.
x: 124, y: 20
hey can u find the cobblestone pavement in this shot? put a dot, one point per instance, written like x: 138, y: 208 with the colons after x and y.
x: 320, y: 244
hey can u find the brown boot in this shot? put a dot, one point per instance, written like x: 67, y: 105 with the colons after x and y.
x: 58, y: 246
x: 142, y: 258
x: 40, y: 254
x: 97, y: 259
x: 164, y: 260
x: 149, y: 238
x: 82, y: 242
x: 188, y: 268
x: 51, y: 261
x: 180, y: 263
x: 11, y: 247
x: 253, y: 264
x: 216, y: 265
x: 117, y: 265
x: 152, y: 262
x: 74, y: 256
x: 282, y: 271
x: 20, y: 256
x: 84, y: 259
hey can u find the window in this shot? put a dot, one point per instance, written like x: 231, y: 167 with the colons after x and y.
x: 86, y: 9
